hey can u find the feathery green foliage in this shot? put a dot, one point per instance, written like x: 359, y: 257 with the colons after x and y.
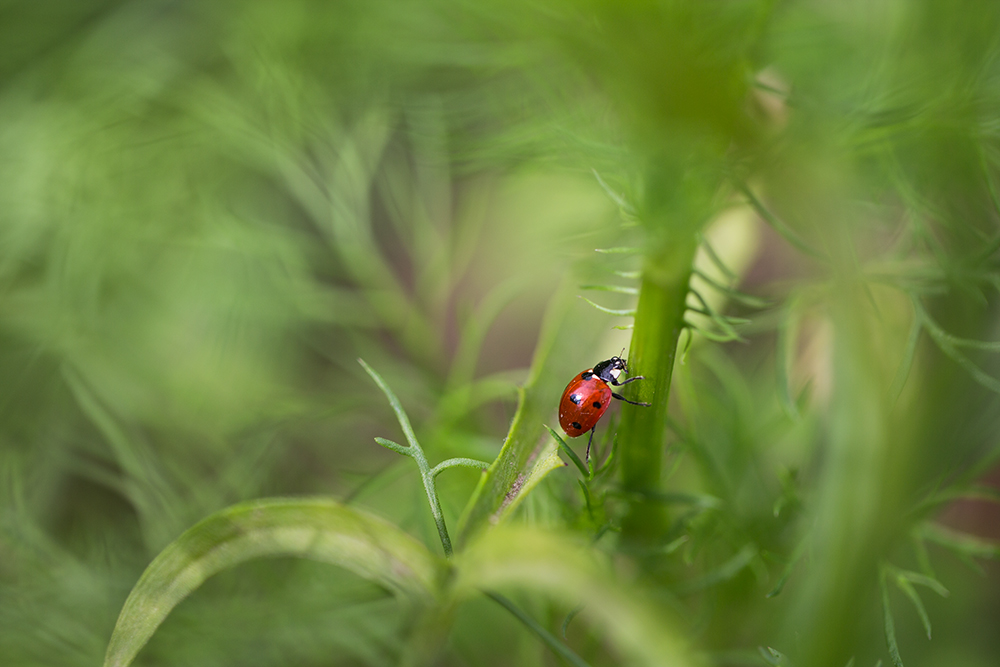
x: 788, y: 212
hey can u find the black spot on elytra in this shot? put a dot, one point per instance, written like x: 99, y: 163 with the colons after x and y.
x: 586, y: 375
x: 597, y: 404
x: 576, y: 398
x: 577, y: 425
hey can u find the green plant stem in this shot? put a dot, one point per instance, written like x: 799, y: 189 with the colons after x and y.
x: 427, y: 475
x: 659, y: 321
x: 416, y: 452
x: 436, y: 512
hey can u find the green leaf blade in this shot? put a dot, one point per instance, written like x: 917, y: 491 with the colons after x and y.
x: 619, y: 251
x: 918, y: 604
x: 314, y: 528
x: 778, y: 225
x: 620, y: 312
x: 889, y: 624
x: 620, y: 289
x: 722, y: 573
x: 397, y: 407
x: 570, y: 453
x: 961, y: 543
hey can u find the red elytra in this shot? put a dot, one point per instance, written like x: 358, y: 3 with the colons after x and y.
x: 584, y: 402
x: 588, y: 396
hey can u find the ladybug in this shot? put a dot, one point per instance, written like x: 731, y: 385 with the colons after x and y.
x: 588, y: 396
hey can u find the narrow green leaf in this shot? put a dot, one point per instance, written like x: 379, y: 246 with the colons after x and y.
x: 924, y: 580
x: 994, y: 245
x: 728, y: 319
x: 550, y: 640
x: 714, y: 256
x: 314, y: 528
x: 619, y: 251
x: 888, y: 624
x: 732, y: 293
x: 710, y: 335
x: 615, y: 197
x: 675, y: 544
x: 621, y: 289
x: 626, y: 312
x: 981, y: 492
x: 715, y: 316
x: 147, y: 490
x: 124, y: 449
x: 587, y: 499
x: 977, y: 373
x: 687, y: 345
x: 778, y: 225
x: 569, y: 618
x: 918, y: 604
x: 724, y: 572
x: 920, y: 552
x: 985, y: 345
x: 981, y: 466
x: 609, y: 462
x: 397, y: 407
x: 789, y: 567
x: 394, y: 446
x: 961, y: 543
x: 570, y: 453
x: 935, y: 329
x: 909, y: 352
x: 459, y: 463
x: 949, y: 345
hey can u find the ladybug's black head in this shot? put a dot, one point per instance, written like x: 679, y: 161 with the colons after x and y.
x: 610, y: 370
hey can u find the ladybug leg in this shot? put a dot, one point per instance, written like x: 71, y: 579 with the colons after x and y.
x: 622, y: 398
x: 589, y: 441
x: 616, y: 383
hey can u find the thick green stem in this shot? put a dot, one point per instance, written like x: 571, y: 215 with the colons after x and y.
x: 659, y: 321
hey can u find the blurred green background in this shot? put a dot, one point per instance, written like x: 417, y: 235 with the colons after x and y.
x: 209, y: 211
